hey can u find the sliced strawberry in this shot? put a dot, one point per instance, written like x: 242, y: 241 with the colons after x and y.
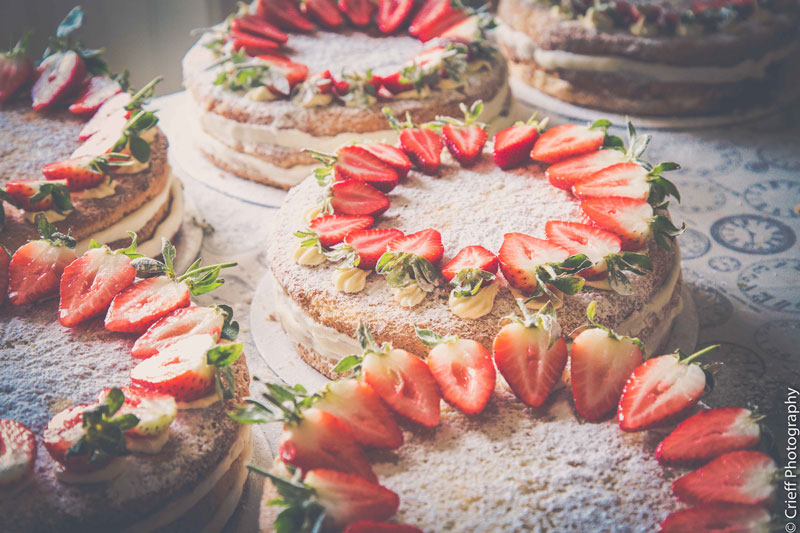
x: 568, y: 172
x: 80, y: 173
x: 578, y: 238
x: 63, y: 431
x: 283, y: 13
x: 347, y: 497
x: 321, y: 440
x: 661, y: 390
x: 600, y: 365
x: 632, y: 219
x: 433, y: 18
x: 357, y: 405
x: 259, y: 27
x: 395, y: 83
x: 426, y: 244
x: 520, y: 256
x: 145, y: 301
x: 354, y: 162
x: 424, y: 148
x: 180, y: 370
x: 253, y: 45
x: 17, y: 451
x: 470, y: 257
x: 465, y: 142
x: 110, y: 116
x: 743, y: 477
x: 295, y: 72
x: 709, y: 434
x: 15, y: 69
x: 391, y: 155
x: 324, y: 12
x: 370, y: 244
x: 5, y: 261
x: 178, y: 325
x: 90, y: 283
x: 628, y: 180
x: 358, y: 11
x: 155, y: 410
x: 370, y: 526
x: 36, y: 267
x: 569, y: 140
x: 512, y: 145
x: 356, y: 197
x: 60, y: 75
x: 35, y: 195
x: 463, y: 369
x: 531, y: 355
x: 332, y: 229
x: 719, y: 518
x: 393, y: 13
x: 94, y: 94
x: 465, y: 31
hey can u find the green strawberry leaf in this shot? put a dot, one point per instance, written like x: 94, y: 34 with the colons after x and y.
x: 224, y: 354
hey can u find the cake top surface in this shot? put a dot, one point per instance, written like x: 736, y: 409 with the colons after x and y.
x: 45, y: 368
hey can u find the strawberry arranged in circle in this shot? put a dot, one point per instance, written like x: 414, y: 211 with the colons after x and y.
x: 259, y: 27
x: 355, y: 162
x: 531, y: 354
x: 470, y: 258
x: 330, y: 230
x: 154, y: 410
x: 60, y: 74
x: 17, y: 451
x: 285, y: 14
x: 5, y: 261
x: 433, y: 18
x: 521, y: 255
x: 358, y: 11
x: 661, y: 390
x: 363, y: 248
x: 568, y: 172
x: 294, y: 72
x: 634, y: 220
x: 90, y: 283
x: 426, y: 243
x: 391, y: 155
x: 744, y: 477
x: 357, y: 405
x: 356, y: 197
x: 578, y: 238
x: 36, y: 196
x: 629, y: 180
x: 412, y: 259
x: 96, y: 92
x: 145, y: 301
x: 15, y: 69
x: 325, y: 12
x: 709, y: 434
x: 253, y: 45
x: 395, y: 82
x: 36, y: 267
x: 569, y: 140
x: 180, y: 324
x: 110, y: 116
x: 718, y: 517
x: 64, y: 431
x: 466, y: 139
x: 393, y: 13
x: 399, y: 377
x: 371, y: 526
x: 600, y: 363
x: 513, y: 144
x: 462, y: 368
x: 422, y: 145
x: 85, y: 172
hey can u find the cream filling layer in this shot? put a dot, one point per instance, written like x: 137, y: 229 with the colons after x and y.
x: 200, y: 403
x: 334, y: 345
x: 136, y: 220
x: 525, y: 48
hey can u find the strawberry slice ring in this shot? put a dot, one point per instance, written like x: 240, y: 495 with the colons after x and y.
x: 17, y: 452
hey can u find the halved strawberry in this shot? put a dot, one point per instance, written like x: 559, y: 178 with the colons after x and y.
x: 324, y: 12
x: 512, y: 145
x: 634, y: 220
x: 59, y: 75
x: 569, y: 140
x: 363, y: 248
x: 17, y: 451
x: 531, y: 354
x: 356, y: 197
x: 15, y: 69
x: 578, y: 238
x: 358, y: 11
x: 600, y: 364
x: 97, y: 91
x: 470, y: 257
x: 357, y: 405
x: 36, y: 267
x: 253, y: 45
x: 520, y: 257
x: 661, y: 390
x: 259, y: 27
x: 426, y: 243
x: 294, y: 72
x: 709, y: 434
x: 283, y: 13
x: 110, y: 116
x: 393, y: 13
x: 391, y: 155
x: 354, y: 162
x: 5, y: 260
x: 63, y: 431
x: 370, y: 526
x: 85, y: 172
x: 568, y: 172
x: 37, y: 195
x: 89, y: 283
x: 330, y: 230
x: 462, y: 368
x: 396, y: 83
x: 719, y: 518
x: 433, y: 18
x: 629, y: 180
x: 744, y: 477
x: 465, y: 139
x: 422, y: 145
x: 178, y: 325
x: 468, y: 30
x: 155, y: 410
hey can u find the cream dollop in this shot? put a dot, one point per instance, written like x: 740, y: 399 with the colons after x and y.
x: 200, y: 403
x: 260, y: 94
x: 110, y: 471
x: 307, y: 255
x: 147, y: 445
x: 540, y: 302
x: 350, y: 280
x: 408, y: 296
x: 599, y: 284
x: 50, y: 215
x: 136, y: 166
x: 476, y: 306
x: 104, y: 190
x: 311, y: 213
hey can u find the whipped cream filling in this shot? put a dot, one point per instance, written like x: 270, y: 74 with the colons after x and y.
x: 475, y: 306
x: 408, y: 296
x: 147, y: 445
x: 307, y: 255
x: 200, y: 403
x: 350, y: 280
x: 525, y: 48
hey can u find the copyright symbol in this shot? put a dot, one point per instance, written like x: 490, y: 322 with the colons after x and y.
x: 790, y: 527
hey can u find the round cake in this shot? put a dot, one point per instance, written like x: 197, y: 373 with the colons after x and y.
x: 652, y: 58
x: 339, y: 81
